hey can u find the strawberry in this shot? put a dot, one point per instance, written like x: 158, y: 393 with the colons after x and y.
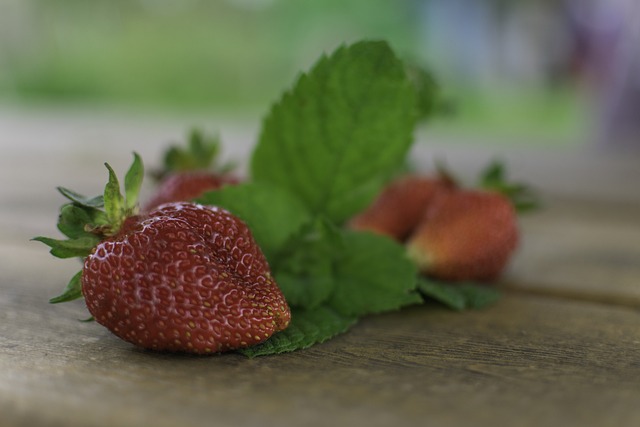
x: 183, y: 277
x: 465, y: 235
x: 470, y: 234
x: 186, y: 186
x: 188, y: 172
x: 401, y: 205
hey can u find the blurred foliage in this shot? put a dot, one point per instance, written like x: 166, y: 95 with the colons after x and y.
x: 188, y: 53
x: 231, y: 55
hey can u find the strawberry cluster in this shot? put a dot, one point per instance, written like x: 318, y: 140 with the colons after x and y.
x: 451, y: 233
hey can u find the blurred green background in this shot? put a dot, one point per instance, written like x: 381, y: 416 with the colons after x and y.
x: 236, y: 56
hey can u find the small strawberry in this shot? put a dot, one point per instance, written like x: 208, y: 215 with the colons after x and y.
x: 465, y: 235
x: 183, y: 277
x: 471, y: 234
x: 401, y: 205
x: 188, y: 172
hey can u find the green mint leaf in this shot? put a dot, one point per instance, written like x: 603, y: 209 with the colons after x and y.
x: 272, y: 213
x: 308, y: 327
x: 340, y: 132
x: 80, y: 247
x: 133, y: 183
x: 304, y: 270
x: 373, y: 275
x: 458, y: 296
x: 74, y: 220
x: 113, y: 199
x: 479, y: 296
x: 79, y: 199
x: 443, y: 293
x: 72, y: 292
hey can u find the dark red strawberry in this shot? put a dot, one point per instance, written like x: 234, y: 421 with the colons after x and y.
x: 186, y: 186
x: 465, y: 235
x: 401, y: 205
x: 184, y: 277
x: 190, y: 172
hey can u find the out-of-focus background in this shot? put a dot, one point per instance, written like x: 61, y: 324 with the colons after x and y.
x: 526, y: 71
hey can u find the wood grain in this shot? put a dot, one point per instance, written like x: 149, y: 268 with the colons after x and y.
x: 525, y: 356
x: 580, y: 250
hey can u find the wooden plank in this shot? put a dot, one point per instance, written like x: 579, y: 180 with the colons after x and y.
x: 525, y: 361
x: 580, y: 250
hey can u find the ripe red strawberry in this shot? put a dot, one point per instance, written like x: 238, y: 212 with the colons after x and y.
x: 186, y: 186
x: 190, y: 172
x: 184, y: 277
x: 465, y: 235
x: 401, y: 205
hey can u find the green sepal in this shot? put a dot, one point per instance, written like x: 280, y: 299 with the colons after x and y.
x: 116, y: 206
x: 201, y: 153
x: 87, y: 221
x: 493, y: 174
x: 133, y: 183
x: 445, y: 173
x: 80, y: 247
x: 79, y: 199
x: 522, y: 196
x: 458, y: 296
x: 72, y: 292
x: 76, y: 221
x: 113, y: 199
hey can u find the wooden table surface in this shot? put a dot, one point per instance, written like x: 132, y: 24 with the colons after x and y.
x: 561, y: 348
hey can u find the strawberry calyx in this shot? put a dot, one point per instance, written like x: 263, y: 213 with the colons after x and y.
x: 201, y: 153
x: 522, y: 197
x: 444, y: 174
x: 86, y: 221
